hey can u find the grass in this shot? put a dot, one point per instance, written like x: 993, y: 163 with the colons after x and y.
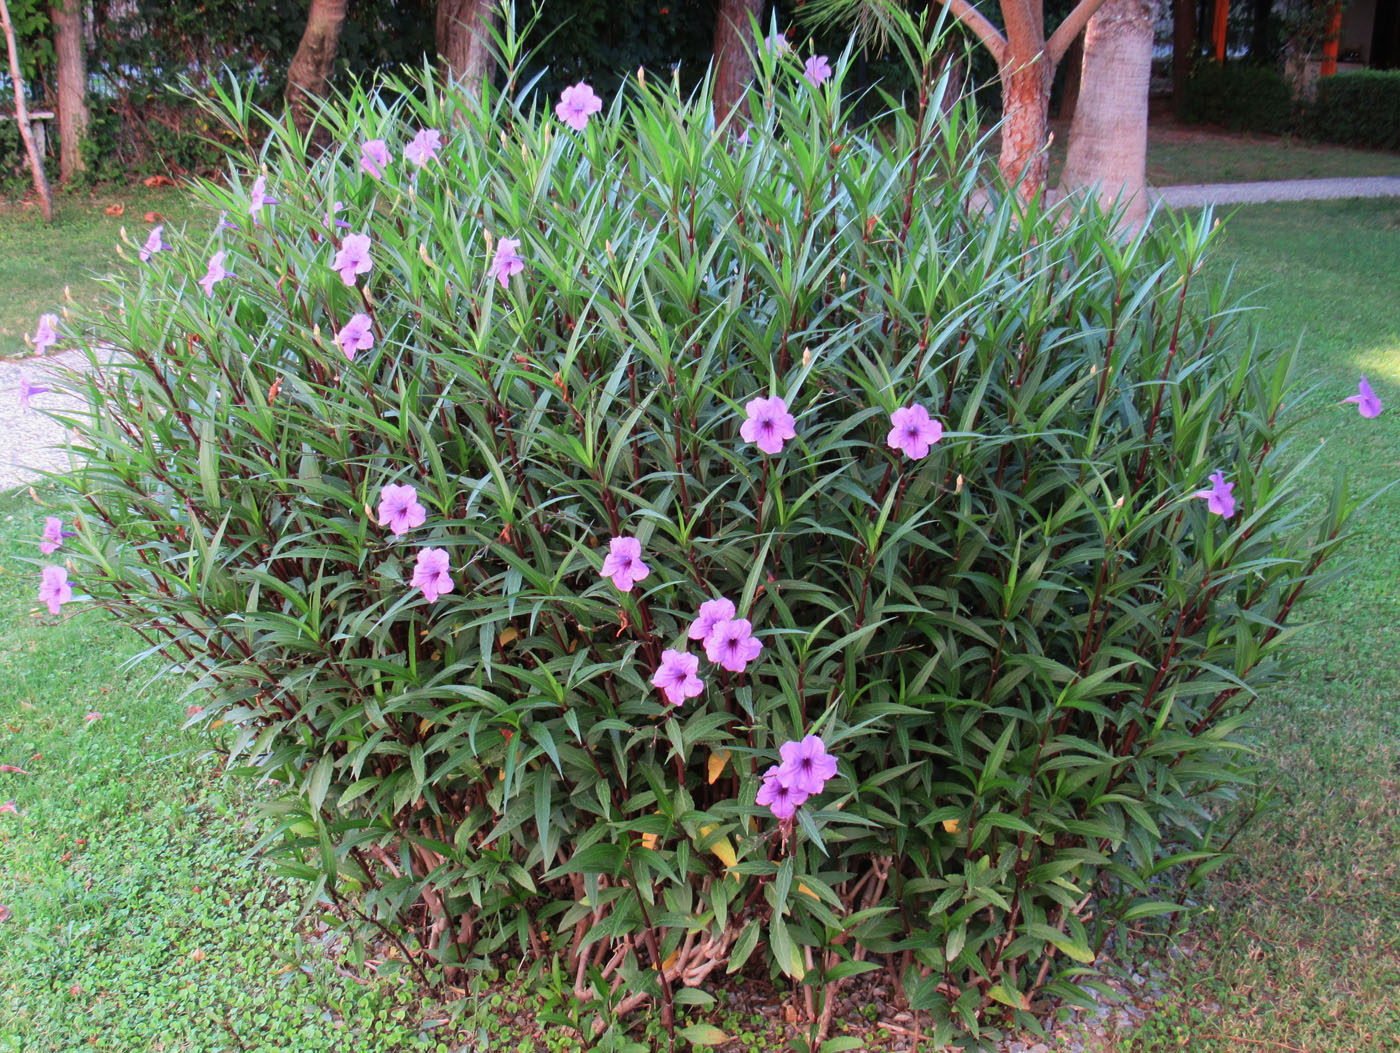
x: 39, y: 261
x: 1301, y: 950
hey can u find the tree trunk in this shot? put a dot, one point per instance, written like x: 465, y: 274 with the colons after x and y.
x: 1074, y: 65
x: 1025, y: 121
x: 463, y: 36
x: 1108, y: 141
x: 36, y: 163
x: 733, y: 70
x: 309, y: 75
x: 70, y: 61
x: 1183, y: 49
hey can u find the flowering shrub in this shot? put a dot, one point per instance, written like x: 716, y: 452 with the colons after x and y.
x: 641, y: 547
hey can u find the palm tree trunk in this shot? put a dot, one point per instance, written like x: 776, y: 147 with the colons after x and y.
x: 70, y: 62
x: 733, y: 69
x: 463, y: 36
x: 309, y: 75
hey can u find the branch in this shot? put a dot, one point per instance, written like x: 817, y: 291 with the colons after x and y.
x: 1070, y: 28
x: 990, y: 36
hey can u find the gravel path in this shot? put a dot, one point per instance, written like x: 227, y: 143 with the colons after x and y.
x: 1199, y: 194
x: 29, y: 441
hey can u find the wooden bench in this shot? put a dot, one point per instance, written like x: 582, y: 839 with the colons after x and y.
x: 38, y: 121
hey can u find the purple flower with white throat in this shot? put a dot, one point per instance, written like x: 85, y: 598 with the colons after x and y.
x: 782, y: 798
x: 424, y: 147
x: 806, y: 765
x: 215, y: 274
x: 769, y: 424
x: 623, y: 563
x: 154, y: 243
x: 732, y: 645
x: 1219, y: 498
x: 45, y: 335
x: 352, y: 258
x: 912, y: 431
x: 356, y: 335
x: 374, y: 157
x: 54, y: 535
x: 400, y: 511
x: 27, y: 391
x: 576, y: 104
x: 817, y: 70
x: 257, y: 197
x: 431, y: 573
x: 54, y: 588
x: 1368, y: 403
x: 711, y: 613
x: 506, y: 262
x: 676, y: 676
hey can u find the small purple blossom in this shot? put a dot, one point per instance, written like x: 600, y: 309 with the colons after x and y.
x: 400, y: 511
x: 781, y: 797
x: 257, y: 197
x: 817, y: 70
x: 744, y: 139
x: 54, y: 535
x: 676, y: 676
x: 374, y: 157
x: 224, y: 224
x: 769, y: 424
x: 424, y: 147
x: 357, y: 335
x: 45, y: 336
x: 331, y: 221
x: 806, y: 765
x: 732, y: 645
x: 1368, y: 404
x: 778, y: 44
x: 711, y: 613
x: 431, y: 574
x: 54, y: 588
x: 352, y: 258
x: 506, y: 262
x: 576, y: 104
x: 623, y: 563
x: 913, y: 431
x: 27, y: 391
x: 154, y: 243
x: 1218, y: 498
x: 215, y: 274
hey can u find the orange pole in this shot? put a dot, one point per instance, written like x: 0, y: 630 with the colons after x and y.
x: 1217, y: 29
x: 1329, y: 46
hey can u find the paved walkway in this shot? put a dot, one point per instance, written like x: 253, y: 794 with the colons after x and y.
x: 1199, y: 194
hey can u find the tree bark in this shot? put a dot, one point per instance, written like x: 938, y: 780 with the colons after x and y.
x: 36, y: 163
x: 1108, y: 140
x: 70, y: 61
x: 309, y: 75
x: 733, y: 67
x: 463, y: 37
x: 1183, y: 49
x: 1074, y: 66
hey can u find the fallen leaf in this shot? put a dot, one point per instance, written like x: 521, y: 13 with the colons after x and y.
x: 11, y: 769
x: 197, y: 955
x: 193, y: 711
x: 115, y: 210
x: 158, y: 180
x: 94, y: 715
x: 153, y: 217
x: 9, y: 806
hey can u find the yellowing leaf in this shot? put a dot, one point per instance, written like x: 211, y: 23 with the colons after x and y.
x: 721, y: 848
x: 950, y: 826
x: 650, y: 840
x: 670, y: 959
x: 802, y: 887
x: 718, y: 760
x: 508, y: 634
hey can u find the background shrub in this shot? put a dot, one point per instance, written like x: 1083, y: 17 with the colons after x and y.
x: 1239, y: 96
x: 1358, y: 109
x: 1031, y: 650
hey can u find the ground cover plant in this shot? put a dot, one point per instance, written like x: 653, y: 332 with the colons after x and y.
x: 656, y: 548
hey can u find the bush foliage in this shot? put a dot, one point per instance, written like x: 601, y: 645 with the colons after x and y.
x: 1358, y: 109
x: 1239, y: 96
x: 1030, y: 650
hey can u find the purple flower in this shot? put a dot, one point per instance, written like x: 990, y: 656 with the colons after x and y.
x: 353, y: 257
x: 54, y: 535
x: 54, y: 589
x: 27, y: 391
x: 430, y: 574
x: 357, y: 335
x: 400, y: 511
x: 676, y: 676
x: 424, y: 147
x: 769, y: 424
x: 743, y: 139
x: 623, y: 563
x: 817, y: 70
x: 45, y: 335
x: 506, y: 262
x: 732, y: 645
x: 257, y: 198
x: 576, y: 105
x: 712, y: 612
x: 1219, y: 499
x: 154, y: 243
x: 806, y: 765
x: 780, y: 797
x: 1367, y: 403
x: 331, y: 221
x: 215, y: 273
x: 224, y: 224
x: 374, y: 157
x: 778, y: 44
x: 913, y: 431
